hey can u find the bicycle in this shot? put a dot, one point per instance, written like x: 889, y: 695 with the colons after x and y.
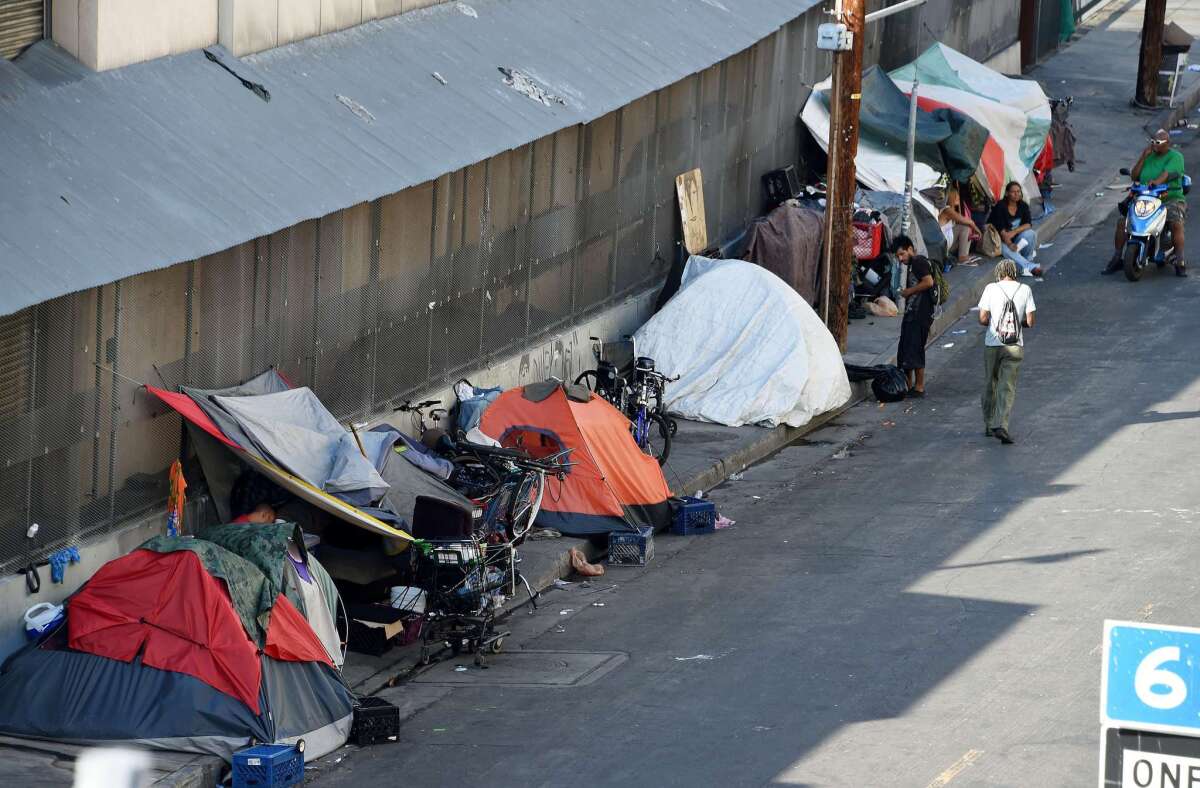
x: 469, y: 578
x: 645, y: 410
x: 605, y: 380
x: 416, y: 415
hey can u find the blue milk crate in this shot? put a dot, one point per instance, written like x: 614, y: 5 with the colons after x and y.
x: 631, y: 548
x: 268, y: 766
x: 694, y: 516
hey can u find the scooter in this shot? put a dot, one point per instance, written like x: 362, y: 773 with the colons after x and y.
x: 1146, y: 223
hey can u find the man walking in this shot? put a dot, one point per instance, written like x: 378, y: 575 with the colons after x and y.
x: 918, y: 315
x: 1006, y: 308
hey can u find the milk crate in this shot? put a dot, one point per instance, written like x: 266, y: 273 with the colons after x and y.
x: 268, y: 766
x: 631, y: 548
x: 694, y: 516
x: 781, y: 184
x: 375, y: 720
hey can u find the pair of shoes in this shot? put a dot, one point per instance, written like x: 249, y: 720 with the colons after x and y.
x: 915, y: 394
x: 1113, y: 266
x: 1180, y: 270
x: 1038, y: 271
x: 972, y: 261
x: 1002, y: 434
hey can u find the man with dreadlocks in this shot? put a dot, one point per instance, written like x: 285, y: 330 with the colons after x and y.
x: 1006, y: 308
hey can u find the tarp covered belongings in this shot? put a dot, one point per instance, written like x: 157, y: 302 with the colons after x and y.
x: 155, y: 653
x: 611, y: 485
x: 747, y: 349
x: 1015, y: 112
x: 289, y: 436
x: 973, y: 122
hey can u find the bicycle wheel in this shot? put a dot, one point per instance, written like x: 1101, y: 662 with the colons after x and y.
x: 658, y: 437
x: 588, y: 378
x: 525, y: 504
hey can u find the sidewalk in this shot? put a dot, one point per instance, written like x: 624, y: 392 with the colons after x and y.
x: 1098, y: 68
x: 1110, y: 134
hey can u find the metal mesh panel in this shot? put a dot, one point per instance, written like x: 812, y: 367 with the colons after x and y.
x: 376, y: 302
x: 553, y: 229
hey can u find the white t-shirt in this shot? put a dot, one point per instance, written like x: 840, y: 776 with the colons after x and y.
x: 995, y: 297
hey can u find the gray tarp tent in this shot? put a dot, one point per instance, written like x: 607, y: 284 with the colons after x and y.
x: 292, y: 429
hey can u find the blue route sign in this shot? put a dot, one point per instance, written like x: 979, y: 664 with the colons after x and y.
x: 1151, y: 678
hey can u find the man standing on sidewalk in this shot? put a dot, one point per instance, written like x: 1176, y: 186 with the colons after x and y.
x: 1159, y: 163
x: 1006, y: 308
x: 918, y: 315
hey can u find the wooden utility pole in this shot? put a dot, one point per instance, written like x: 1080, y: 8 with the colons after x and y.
x: 1151, y: 57
x: 845, y: 95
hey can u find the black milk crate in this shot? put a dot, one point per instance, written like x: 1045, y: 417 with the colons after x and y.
x: 268, y: 766
x: 781, y: 185
x: 694, y: 516
x: 631, y: 548
x: 375, y: 720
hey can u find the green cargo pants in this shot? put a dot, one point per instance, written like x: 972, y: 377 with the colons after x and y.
x: 1000, y: 367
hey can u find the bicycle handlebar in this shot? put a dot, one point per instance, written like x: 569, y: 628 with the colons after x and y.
x: 408, y: 407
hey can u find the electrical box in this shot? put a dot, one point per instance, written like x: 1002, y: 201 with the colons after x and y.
x: 834, y: 36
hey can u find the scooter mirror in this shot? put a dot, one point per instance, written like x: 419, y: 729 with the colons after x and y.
x: 1125, y: 171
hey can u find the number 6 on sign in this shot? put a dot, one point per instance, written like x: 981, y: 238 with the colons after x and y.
x: 1149, y: 678
x: 1149, y: 675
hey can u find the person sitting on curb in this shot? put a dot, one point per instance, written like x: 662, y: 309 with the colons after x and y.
x: 1159, y: 163
x: 1018, y: 240
x: 957, y: 226
x: 918, y: 315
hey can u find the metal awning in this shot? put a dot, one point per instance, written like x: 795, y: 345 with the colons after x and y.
x: 106, y: 175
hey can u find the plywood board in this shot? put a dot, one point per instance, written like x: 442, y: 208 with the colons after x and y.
x: 690, y: 188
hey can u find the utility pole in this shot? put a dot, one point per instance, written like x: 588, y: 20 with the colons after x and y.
x: 845, y: 93
x: 1151, y: 56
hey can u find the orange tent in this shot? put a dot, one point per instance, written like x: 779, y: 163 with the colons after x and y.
x: 612, y: 485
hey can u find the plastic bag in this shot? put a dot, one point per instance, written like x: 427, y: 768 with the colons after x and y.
x: 890, y: 385
x: 883, y: 307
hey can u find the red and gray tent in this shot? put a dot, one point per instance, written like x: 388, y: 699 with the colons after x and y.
x: 157, y: 653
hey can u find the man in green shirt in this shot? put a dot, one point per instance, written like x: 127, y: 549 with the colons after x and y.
x: 1159, y: 164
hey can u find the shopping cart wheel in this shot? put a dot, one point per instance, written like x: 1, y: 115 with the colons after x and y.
x: 497, y: 645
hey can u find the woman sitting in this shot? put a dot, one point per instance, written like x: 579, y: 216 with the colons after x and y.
x: 957, y: 226
x: 1018, y: 241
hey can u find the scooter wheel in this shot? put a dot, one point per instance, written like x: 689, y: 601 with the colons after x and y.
x: 1130, y: 263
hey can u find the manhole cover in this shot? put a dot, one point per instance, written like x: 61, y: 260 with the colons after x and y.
x: 526, y: 669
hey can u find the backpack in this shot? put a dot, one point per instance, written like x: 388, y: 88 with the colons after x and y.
x: 1008, y: 329
x: 941, y: 288
x: 989, y: 244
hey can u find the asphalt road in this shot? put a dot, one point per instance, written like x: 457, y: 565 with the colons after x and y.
x: 924, y: 610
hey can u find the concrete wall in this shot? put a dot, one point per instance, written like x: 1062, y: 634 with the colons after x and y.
x: 1007, y: 61
x: 980, y: 29
x: 106, y: 34
x: 248, y: 26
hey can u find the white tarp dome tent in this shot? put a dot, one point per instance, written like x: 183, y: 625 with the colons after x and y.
x: 746, y: 347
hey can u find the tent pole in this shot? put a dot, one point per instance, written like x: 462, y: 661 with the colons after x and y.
x: 910, y: 160
x: 911, y: 156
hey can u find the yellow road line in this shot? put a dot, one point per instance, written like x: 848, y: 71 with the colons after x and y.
x: 962, y: 763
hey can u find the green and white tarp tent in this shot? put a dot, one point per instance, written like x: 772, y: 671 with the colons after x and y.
x: 1014, y: 113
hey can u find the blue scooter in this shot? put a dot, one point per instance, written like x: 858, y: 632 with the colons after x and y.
x: 1146, y: 223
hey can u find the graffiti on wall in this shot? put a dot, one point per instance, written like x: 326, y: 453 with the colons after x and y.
x: 561, y: 357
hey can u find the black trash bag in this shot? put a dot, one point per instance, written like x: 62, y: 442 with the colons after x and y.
x: 890, y: 385
x: 859, y: 374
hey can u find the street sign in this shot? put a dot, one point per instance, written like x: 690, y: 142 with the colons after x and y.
x: 1151, y: 678
x: 1136, y: 759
